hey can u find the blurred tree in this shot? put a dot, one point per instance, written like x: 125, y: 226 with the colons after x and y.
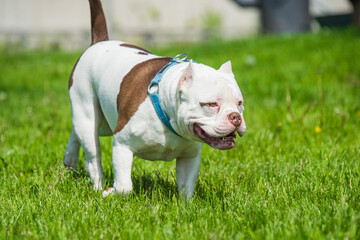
x: 281, y: 16
x: 356, y: 14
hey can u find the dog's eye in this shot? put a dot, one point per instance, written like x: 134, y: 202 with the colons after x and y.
x: 240, y: 103
x: 212, y: 104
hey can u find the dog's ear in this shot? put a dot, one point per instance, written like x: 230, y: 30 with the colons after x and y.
x: 187, y: 78
x: 226, y: 68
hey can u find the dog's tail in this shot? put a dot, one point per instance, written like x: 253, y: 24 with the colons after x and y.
x: 98, y: 23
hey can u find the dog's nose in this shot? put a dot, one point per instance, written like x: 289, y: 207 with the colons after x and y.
x: 235, y: 119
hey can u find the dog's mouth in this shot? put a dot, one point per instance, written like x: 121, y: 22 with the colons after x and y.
x: 222, y: 143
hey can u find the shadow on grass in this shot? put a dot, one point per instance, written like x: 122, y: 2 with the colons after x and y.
x: 144, y: 184
x: 154, y: 185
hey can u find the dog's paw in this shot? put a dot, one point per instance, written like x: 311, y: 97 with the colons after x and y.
x: 114, y: 191
x: 98, y: 185
x: 70, y: 161
x: 108, y: 192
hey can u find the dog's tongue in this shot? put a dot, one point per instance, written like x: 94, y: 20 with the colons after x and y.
x: 221, y: 143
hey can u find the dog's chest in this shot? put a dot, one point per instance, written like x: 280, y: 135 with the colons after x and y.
x: 150, y: 140
x: 168, y: 151
x: 158, y: 152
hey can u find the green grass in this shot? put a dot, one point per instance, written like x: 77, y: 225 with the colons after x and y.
x: 284, y: 180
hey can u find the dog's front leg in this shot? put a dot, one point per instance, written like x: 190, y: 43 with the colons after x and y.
x: 187, y: 171
x: 122, y: 158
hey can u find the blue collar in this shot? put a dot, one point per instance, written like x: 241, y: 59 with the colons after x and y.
x: 153, y: 90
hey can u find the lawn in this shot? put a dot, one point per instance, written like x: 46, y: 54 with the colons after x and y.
x: 294, y: 175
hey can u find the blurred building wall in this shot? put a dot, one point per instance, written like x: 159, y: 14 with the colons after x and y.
x: 66, y: 23
x: 329, y: 7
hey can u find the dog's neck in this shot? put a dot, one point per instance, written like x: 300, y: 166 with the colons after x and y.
x: 170, y: 96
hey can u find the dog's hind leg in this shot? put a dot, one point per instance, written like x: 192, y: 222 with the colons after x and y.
x: 71, y: 156
x: 87, y: 117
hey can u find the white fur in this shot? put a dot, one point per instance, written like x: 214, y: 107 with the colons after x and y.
x: 93, y: 95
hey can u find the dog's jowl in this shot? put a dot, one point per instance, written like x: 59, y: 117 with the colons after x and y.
x: 156, y: 108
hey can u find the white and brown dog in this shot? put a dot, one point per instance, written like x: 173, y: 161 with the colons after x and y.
x: 109, y: 95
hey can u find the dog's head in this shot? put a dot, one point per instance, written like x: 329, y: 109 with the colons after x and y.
x: 211, y: 105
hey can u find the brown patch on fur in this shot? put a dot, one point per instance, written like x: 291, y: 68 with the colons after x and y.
x: 71, y: 74
x: 135, y: 47
x: 133, y: 89
x: 142, y: 53
x: 98, y: 22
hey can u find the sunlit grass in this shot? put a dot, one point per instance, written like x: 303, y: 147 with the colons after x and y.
x: 294, y: 175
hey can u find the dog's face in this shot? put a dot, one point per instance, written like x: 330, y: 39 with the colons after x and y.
x: 211, y: 105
